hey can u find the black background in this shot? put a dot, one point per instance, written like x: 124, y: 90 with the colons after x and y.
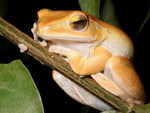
x: 21, y: 13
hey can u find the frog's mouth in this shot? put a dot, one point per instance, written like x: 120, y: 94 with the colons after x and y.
x: 69, y: 38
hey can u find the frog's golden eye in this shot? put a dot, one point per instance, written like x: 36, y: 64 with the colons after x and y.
x: 78, y: 22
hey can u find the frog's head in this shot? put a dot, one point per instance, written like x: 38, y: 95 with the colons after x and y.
x: 66, y: 25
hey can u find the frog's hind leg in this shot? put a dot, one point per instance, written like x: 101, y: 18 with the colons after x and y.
x: 121, y: 79
x: 78, y: 93
x: 107, y: 84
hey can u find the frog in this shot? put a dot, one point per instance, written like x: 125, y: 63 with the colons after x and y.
x: 93, y: 48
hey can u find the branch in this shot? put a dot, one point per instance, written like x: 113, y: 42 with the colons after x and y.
x: 52, y: 60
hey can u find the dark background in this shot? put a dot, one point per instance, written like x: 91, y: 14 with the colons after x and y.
x: 21, y: 13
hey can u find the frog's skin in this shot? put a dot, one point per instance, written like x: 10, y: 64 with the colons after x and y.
x: 92, y: 48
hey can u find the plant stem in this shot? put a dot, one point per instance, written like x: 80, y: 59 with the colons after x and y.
x: 55, y: 62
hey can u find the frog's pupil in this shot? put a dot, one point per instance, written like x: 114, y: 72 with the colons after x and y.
x: 80, y: 24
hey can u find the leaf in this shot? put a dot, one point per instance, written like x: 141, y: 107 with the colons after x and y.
x: 90, y: 6
x: 18, y: 93
x: 144, y: 22
x: 85, y: 109
x: 2, y: 7
x: 146, y: 107
x: 108, y: 13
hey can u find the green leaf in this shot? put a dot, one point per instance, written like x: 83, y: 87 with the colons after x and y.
x: 90, y: 6
x: 18, y: 93
x: 84, y: 109
x: 3, y: 7
x: 145, y: 107
x: 144, y: 22
x: 108, y: 13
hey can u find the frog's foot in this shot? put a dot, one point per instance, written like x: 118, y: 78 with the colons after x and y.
x: 120, y: 79
x: 36, y: 38
x: 107, y: 84
x: 60, y: 50
x: 43, y: 43
x: 33, y: 30
x: 56, y: 49
x: 78, y: 93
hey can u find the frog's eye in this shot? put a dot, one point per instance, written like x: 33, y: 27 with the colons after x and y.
x: 78, y: 22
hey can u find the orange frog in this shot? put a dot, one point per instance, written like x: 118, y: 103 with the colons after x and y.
x: 92, y: 48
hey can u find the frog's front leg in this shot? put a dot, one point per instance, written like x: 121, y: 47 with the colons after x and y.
x: 60, y: 50
x: 33, y: 30
x: 121, y: 79
x: 81, y: 65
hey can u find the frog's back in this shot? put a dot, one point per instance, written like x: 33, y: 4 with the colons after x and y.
x: 117, y: 43
x: 119, y: 46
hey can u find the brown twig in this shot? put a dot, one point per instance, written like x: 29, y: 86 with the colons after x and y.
x: 52, y: 60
